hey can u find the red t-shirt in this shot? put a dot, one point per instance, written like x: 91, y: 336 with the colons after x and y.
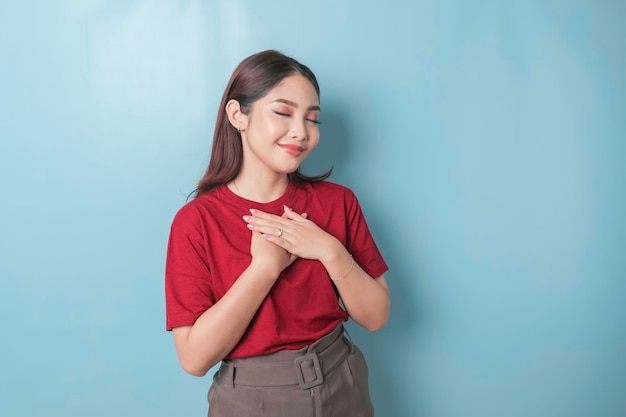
x: 209, y: 248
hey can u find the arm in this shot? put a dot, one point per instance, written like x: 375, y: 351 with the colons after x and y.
x: 366, y: 299
x: 218, y: 330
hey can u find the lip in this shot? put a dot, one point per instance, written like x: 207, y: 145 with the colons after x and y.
x: 293, y: 150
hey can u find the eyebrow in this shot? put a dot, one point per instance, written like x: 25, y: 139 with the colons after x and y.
x: 293, y: 104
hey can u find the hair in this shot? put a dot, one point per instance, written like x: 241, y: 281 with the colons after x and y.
x: 253, y: 78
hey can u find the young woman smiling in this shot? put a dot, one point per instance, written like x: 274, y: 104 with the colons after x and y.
x: 258, y: 261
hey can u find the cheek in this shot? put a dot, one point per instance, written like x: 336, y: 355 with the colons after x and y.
x: 269, y: 126
x: 314, y: 139
x: 277, y: 128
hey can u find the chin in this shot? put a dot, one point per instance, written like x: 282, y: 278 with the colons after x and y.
x: 289, y: 170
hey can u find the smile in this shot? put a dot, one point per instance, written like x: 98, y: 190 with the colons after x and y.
x: 293, y: 150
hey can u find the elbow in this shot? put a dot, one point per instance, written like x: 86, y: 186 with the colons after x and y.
x: 375, y: 323
x: 379, y: 321
x: 195, y: 369
x: 194, y: 360
x: 375, y: 326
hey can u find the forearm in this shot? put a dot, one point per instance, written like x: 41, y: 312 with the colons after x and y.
x: 218, y: 330
x: 366, y: 299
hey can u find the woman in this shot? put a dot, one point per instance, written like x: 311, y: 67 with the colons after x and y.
x: 258, y: 260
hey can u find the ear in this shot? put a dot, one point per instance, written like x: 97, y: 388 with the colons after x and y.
x: 236, y: 117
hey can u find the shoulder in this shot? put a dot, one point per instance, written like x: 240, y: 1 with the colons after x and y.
x: 332, y: 189
x: 195, y: 212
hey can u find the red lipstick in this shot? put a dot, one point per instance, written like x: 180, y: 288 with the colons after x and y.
x: 293, y: 150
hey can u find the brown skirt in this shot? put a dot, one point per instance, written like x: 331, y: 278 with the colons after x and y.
x: 328, y: 378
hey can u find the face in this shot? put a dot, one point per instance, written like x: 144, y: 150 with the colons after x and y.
x: 282, y: 128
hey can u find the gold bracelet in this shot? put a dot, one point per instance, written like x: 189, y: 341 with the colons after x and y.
x: 347, y: 273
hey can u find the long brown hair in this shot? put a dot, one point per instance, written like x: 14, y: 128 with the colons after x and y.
x: 253, y: 78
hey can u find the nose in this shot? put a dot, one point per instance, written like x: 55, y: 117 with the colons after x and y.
x: 298, y: 132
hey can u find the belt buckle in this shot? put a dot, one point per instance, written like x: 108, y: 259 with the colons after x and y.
x: 319, y: 376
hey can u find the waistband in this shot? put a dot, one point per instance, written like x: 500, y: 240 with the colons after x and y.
x: 304, y: 368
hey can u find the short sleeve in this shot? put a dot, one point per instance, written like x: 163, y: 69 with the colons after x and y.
x: 187, y: 275
x: 360, y: 242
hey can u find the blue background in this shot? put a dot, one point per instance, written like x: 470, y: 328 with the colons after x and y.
x: 485, y: 140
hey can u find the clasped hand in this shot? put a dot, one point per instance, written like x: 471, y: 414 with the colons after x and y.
x: 294, y: 233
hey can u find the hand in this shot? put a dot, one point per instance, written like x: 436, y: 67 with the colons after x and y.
x: 269, y: 256
x: 298, y: 235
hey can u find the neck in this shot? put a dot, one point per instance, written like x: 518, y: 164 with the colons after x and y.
x: 262, y: 190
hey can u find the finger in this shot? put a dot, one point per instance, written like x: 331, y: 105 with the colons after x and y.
x: 263, y: 215
x: 271, y: 230
x: 265, y: 219
x: 279, y: 241
x: 292, y: 215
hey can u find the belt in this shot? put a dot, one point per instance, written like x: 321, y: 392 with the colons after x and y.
x: 305, y: 368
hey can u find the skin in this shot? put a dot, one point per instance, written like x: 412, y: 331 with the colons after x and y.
x: 277, y: 134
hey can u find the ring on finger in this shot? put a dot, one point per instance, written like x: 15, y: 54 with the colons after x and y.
x: 280, y: 233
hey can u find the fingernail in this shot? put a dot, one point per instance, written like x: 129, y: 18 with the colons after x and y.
x: 250, y: 226
x: 287, y: 208
x: 252, y: 211
x: 247, y: 218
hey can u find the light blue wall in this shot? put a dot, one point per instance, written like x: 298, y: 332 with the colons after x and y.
x: 485, y: 139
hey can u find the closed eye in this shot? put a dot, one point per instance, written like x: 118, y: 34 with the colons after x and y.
x: 314, y: 121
